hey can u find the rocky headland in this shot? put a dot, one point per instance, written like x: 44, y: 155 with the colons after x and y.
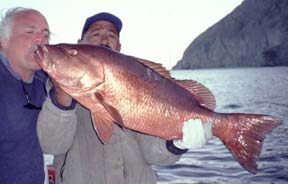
x: 254, y: 34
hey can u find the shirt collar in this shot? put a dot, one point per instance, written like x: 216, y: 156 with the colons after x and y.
x: 8, y: 67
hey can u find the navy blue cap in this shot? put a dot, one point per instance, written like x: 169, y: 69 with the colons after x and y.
x: 102, y: 16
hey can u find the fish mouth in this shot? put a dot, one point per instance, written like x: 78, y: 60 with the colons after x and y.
x: 38, y: 54
x: 42, y: 58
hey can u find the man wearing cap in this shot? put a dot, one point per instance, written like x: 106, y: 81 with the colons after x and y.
x: 128, y: 156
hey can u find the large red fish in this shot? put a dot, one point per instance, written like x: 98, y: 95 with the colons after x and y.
x: 141, y: 95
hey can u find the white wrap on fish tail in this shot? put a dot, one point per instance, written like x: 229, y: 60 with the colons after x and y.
x: 195, y: 134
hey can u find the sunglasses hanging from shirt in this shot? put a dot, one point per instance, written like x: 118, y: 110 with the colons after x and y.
x: 29, y: 105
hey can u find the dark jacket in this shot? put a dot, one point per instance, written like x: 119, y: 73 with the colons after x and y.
x: 21, y: 158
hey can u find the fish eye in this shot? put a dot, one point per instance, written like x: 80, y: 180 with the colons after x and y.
x: 72, y: 52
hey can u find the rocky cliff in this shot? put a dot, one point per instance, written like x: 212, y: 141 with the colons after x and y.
x: 254, y: 34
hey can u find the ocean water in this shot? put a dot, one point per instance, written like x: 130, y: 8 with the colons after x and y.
x: 245, y: 90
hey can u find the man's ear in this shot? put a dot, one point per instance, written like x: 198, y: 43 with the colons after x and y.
x: 79, y: 41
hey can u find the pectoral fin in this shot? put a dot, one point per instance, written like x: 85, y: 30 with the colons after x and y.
x: 110, y: 109
x: 103, y: 126
x: 103, y: 117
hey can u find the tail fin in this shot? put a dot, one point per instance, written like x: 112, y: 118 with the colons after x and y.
x: 245, y: 135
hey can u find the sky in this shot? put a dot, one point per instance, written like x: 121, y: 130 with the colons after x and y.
x: 155, y: 30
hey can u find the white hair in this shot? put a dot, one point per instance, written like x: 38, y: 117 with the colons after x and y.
x: 6, y: 20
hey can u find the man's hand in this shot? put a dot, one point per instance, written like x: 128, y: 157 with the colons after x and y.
x: 61, y: 96
x: 195, y: 134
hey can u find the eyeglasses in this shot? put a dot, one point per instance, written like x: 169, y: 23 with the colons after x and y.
x: 29, y: 105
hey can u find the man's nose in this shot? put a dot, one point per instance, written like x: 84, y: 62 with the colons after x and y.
x: 104, y: 39
x: 41, y: 38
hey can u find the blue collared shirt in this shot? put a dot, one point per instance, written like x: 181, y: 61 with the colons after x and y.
x: 21, y: 157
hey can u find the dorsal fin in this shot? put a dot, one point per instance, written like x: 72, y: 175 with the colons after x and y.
x: 202, y: 94
x: 157, y: 67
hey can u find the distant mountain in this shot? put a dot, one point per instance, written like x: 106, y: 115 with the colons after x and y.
x: 254, y: 34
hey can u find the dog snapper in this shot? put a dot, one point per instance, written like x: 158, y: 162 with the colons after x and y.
x: 141, y: 95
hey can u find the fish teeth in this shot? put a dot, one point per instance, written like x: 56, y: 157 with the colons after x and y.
x: 37, y: 52
x: 45, y: 49
x: 35, y: 47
